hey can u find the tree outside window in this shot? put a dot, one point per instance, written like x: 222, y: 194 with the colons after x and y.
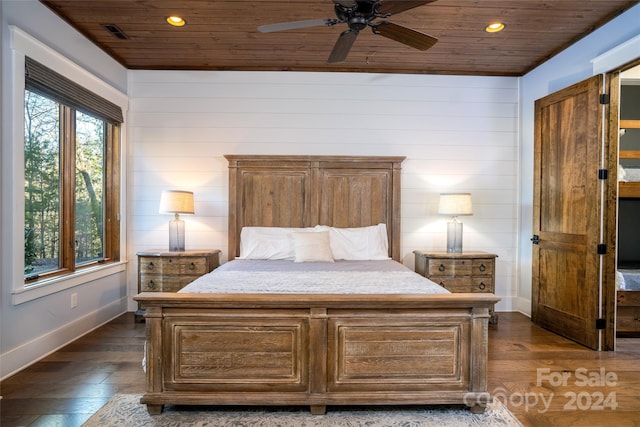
x: 71, y: 201
x: 41, y: 184
x: 89, y: 206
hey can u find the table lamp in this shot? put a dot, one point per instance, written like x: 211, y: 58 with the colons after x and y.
x: 454, y: 204
x: 176, y: 202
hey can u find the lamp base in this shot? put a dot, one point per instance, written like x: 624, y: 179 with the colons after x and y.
x: 176, y: 235
x: 454, y: 237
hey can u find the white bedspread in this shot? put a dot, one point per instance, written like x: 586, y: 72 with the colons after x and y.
x: 352, y: 277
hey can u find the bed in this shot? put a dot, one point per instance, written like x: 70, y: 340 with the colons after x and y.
x: 628, y: 303
x: 322, y: 347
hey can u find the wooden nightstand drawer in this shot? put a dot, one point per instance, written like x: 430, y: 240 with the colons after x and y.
x: 450, y: 267
x: 174, y: 265
x: 483, y: 267
x: 188, y: 265
x: 157, y: 283
x: 482, y: 284
x: 464, y: 284
x: 151, y: 265
x: 150, y: 283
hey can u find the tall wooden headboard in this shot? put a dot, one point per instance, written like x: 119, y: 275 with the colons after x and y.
x: 303, y: 191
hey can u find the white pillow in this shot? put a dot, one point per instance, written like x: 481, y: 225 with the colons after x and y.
x: 312, y: 247
x: 360, y: 243
x: 268, y: 242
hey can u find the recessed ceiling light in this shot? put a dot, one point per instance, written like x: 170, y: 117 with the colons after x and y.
x: 494, y: 27
x: 176, y: 21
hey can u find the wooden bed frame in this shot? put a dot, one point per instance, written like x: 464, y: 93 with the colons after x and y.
x: 315, y: 350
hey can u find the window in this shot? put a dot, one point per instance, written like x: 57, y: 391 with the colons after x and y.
x: 72, y: 175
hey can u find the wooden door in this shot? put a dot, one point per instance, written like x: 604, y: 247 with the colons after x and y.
x: 566, y: 285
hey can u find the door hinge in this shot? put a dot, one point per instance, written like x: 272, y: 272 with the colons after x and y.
x: 535, y: 239
x: 604, y: 98
x: 601, y: 323
x: 603, y: 174
x: 602, y: 249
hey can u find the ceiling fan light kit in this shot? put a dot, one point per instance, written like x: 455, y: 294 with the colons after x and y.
x: 360, y: 14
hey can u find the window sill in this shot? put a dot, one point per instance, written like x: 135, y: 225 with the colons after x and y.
x: 60, y: 283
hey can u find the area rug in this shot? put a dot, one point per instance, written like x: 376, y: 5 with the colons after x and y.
x: 125, y: 410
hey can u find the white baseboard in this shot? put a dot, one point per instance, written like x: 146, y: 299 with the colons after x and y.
x: 524, y: 306
x: 29, y: 353
x: 518, y: 304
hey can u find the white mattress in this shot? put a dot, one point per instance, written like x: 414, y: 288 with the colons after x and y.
x: 630, y: 280
x: 632, y: 174
x: 628, y: 174
x: 288, y: 277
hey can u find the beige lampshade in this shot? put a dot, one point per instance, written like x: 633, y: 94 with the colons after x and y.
x: 455, y: 204
x: 175, y: 201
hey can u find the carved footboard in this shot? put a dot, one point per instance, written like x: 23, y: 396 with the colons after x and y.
x: 316, y: 350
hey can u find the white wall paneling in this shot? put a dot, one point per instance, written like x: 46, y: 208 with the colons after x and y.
x: 458, y: 134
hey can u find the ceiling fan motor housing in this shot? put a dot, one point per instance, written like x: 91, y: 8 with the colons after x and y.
x: 357, y: 23
x: 359, y: 15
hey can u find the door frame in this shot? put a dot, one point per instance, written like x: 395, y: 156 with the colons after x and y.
x: 611, y: 129
x: 609, y: 261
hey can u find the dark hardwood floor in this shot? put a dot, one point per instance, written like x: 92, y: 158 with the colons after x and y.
x: 547, y: 380
x: 67, y: 387
x: 544, y: 379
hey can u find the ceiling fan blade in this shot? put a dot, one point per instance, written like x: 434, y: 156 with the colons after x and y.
x: 405, y: 35
x: 270, y: 28
x: 396, y: 6
x: 343, y: 46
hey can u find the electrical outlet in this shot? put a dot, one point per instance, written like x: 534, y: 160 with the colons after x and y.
x: 74, y: 300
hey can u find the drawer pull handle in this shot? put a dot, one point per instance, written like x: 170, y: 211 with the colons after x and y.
x: 482, y: 267
x: 192, y: 266
x: 482, y: 286
x: 441, y: 268
x: 151, y: 284
x: 151, y: 266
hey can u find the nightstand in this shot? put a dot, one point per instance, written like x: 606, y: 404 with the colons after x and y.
x: 459, y: 272
x: 164, y: 271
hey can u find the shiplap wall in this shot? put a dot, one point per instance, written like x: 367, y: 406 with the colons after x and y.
x: 459, y: 134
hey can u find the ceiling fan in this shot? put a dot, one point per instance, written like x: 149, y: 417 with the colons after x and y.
x: 358, y: 15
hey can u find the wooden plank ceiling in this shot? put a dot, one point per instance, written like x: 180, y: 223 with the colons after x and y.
x: 223, y: 35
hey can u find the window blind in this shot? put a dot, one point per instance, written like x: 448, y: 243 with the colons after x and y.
x: 45, y: 81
